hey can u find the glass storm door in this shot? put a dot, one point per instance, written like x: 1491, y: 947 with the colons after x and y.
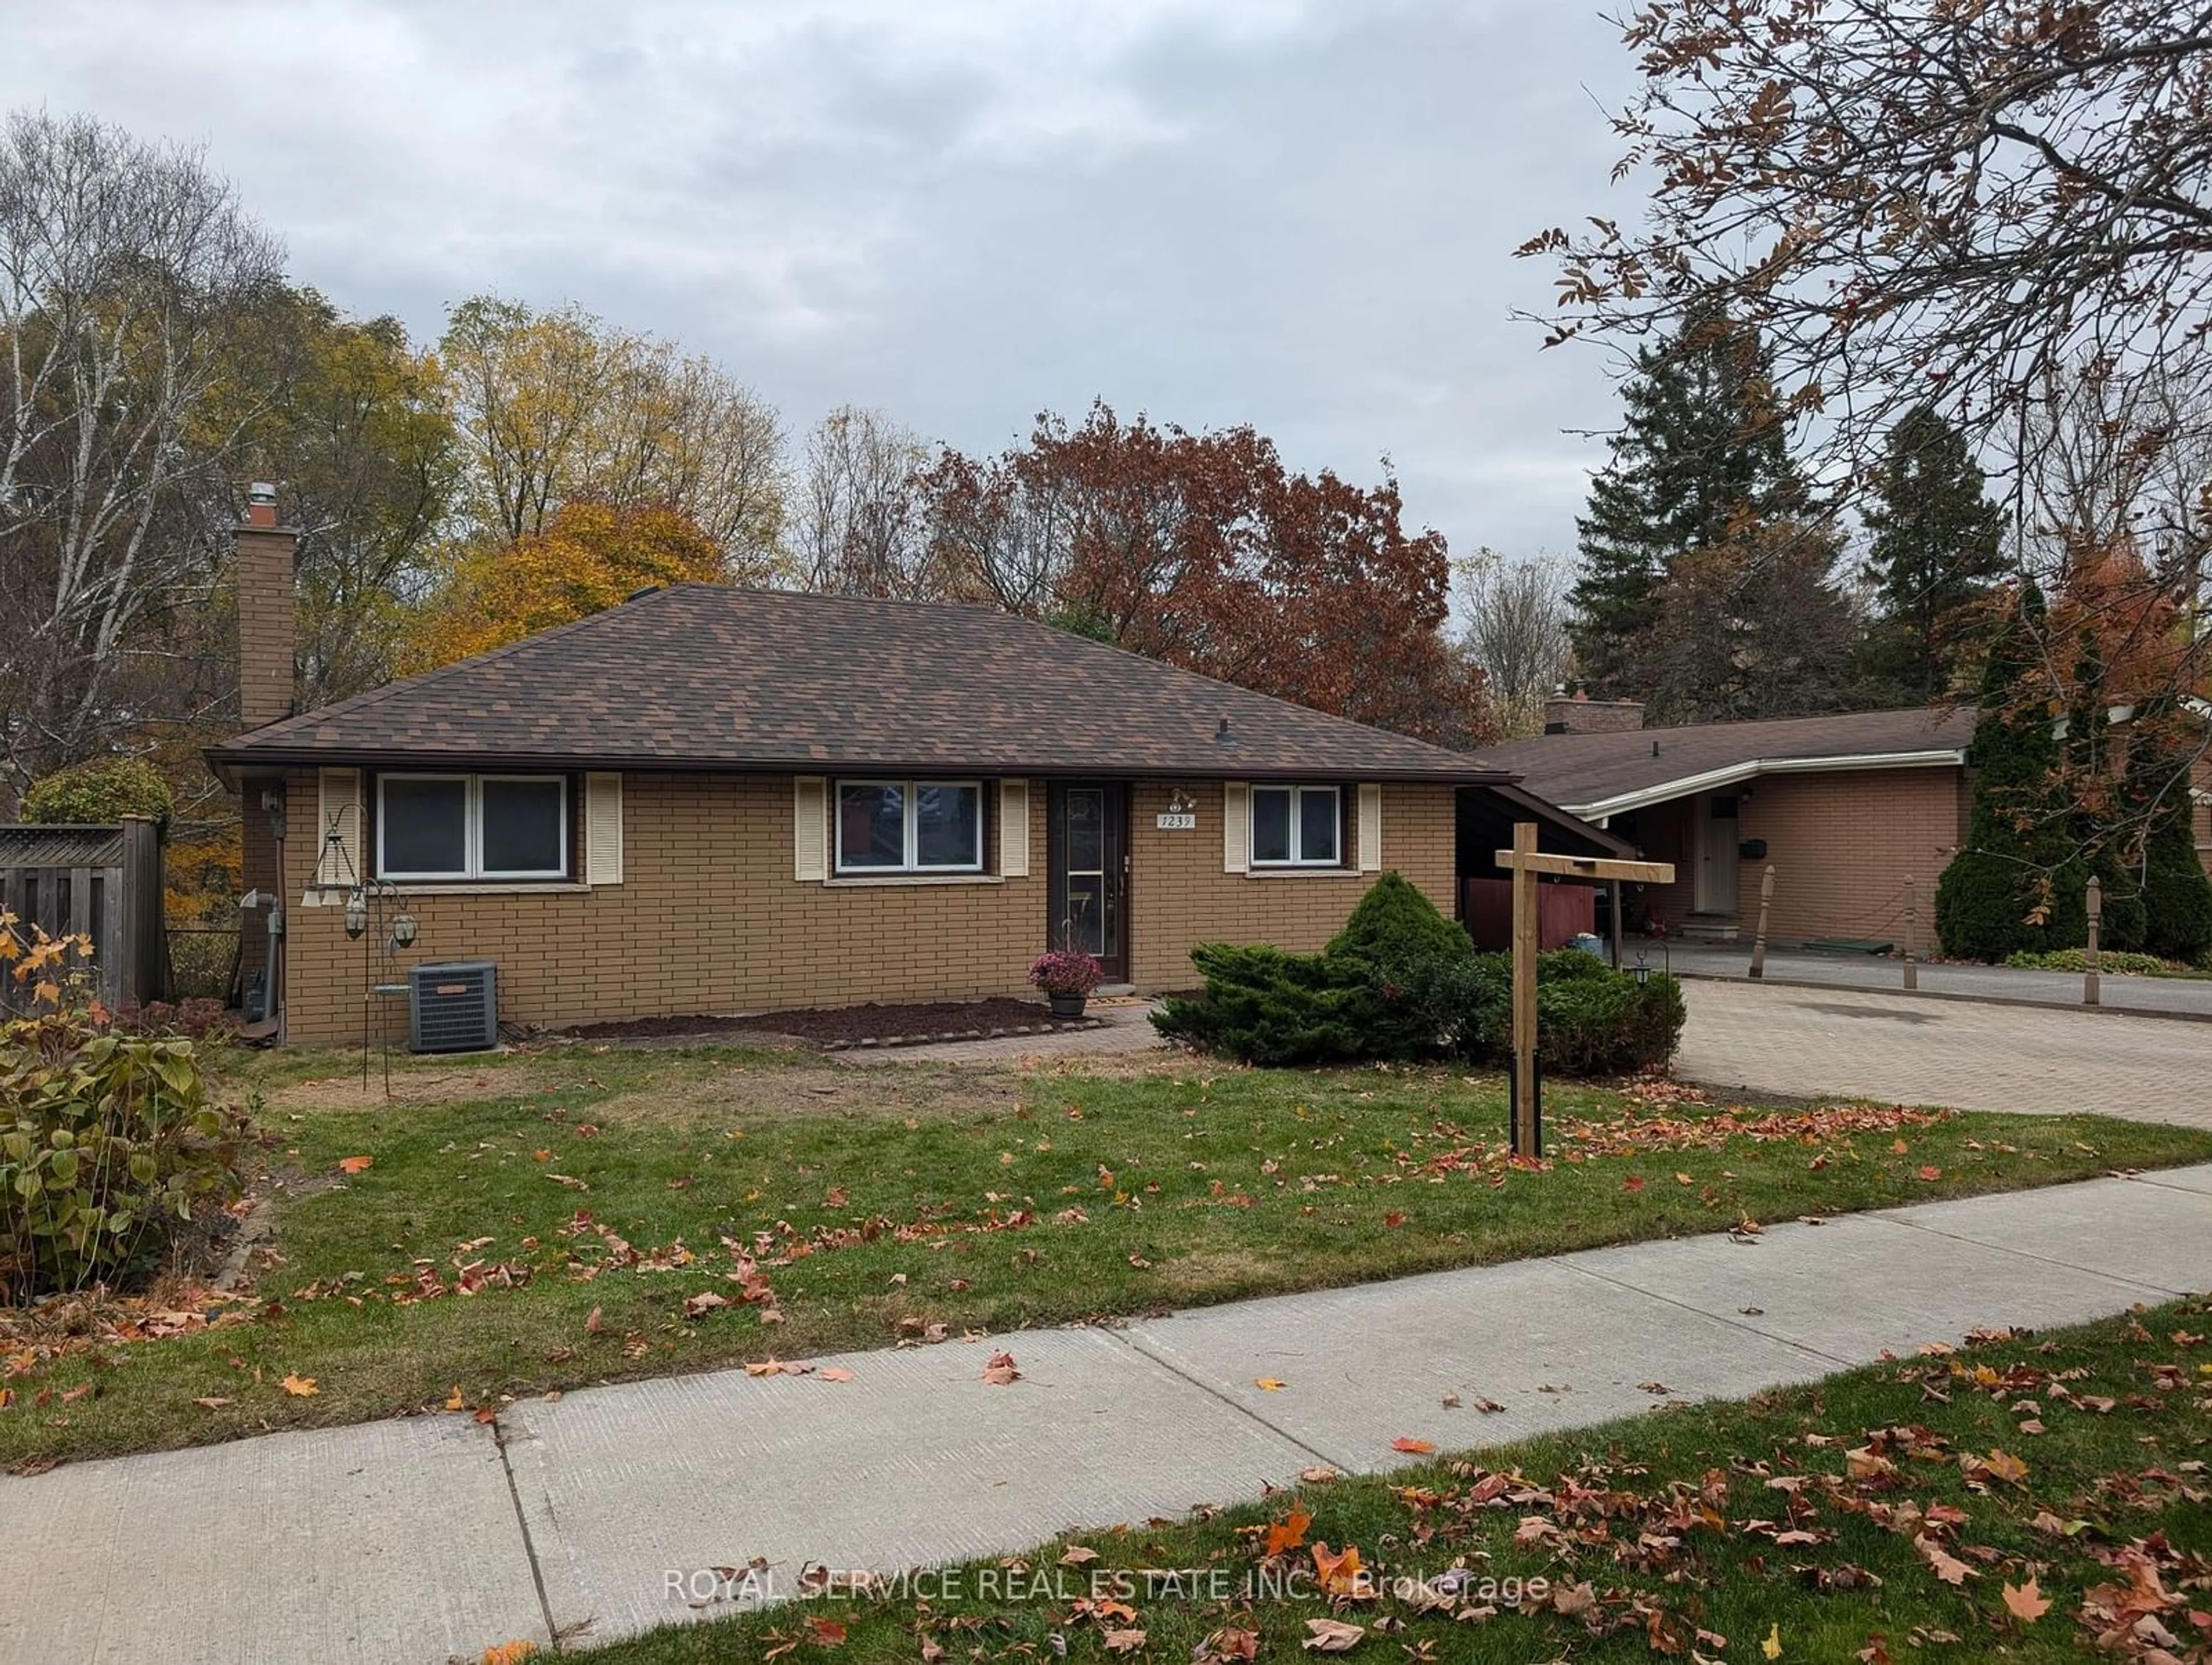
x: 1087, y: 861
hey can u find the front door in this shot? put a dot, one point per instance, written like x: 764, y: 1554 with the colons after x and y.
x: 1087, y: 871
x: 1717, y: 854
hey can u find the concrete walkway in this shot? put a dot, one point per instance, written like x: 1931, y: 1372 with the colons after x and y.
x: 1766, y: 1040
x: 2172, y: 997
x: 408, y: 1541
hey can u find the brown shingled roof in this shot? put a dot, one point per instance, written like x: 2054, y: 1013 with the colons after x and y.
x: 702, y: 676
x: 1591, y: 773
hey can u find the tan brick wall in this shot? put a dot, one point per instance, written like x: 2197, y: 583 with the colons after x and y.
x: 1841, y: 844
x: 1180, y: 896
x: 710, y: 918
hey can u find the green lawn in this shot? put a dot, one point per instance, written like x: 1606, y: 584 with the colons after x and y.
x: 2014, y: 1501
x: 545, y: 1221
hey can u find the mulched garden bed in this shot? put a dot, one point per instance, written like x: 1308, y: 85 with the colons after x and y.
x: 833, y: 1027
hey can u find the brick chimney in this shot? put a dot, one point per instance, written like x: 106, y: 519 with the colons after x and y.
x: 1584, y: 715
x: 267, y: 609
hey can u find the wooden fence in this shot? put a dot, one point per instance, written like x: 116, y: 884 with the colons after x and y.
x: 102, y: 883
x: 1564, y: 912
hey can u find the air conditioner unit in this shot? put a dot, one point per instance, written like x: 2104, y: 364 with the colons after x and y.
x: 452, y: 1007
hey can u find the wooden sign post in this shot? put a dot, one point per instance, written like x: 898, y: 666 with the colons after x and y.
x: 1524, y: 862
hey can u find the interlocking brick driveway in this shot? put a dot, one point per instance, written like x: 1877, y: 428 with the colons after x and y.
x: 1967, y: 1055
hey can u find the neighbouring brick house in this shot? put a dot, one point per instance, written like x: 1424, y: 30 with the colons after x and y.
x: 718, y: 800
x: 1846, y: 808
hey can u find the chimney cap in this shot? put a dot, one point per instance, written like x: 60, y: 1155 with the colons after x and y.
x: 1222, y: 737
x: 261, y: 491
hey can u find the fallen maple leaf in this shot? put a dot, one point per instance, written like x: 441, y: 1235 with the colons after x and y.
x: 2027, y: 1603
x: 1000, y: 1371
x: 355, y: 1164
x: 213, y: 1401
x: 1772, y: 1646
x: 1231, y: 1643
x: 1420, y: 1448
x: 1077, y: 1555
x: 1332, y: 1635
x: 1930, y: 1172
x: 1267, y: 1384
x: 698, y: 1306
x: 1632, y: 1184
x: 1289, y: 1533
x: 1340, y: 1572
x: 455, y: 1400
x: 835, y: 1373
x: 825, y: 1633
x: 509, y: 1653
x: 591, y: 1323
x: 1123, y: 1642
x: 1321, y: 1474
x: 303, y: 1387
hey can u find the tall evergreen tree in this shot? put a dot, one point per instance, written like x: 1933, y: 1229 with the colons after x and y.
x: 1702, y: 456
x: 2177, y: 896
x: 1938, y: 549
x: 2018, y: 882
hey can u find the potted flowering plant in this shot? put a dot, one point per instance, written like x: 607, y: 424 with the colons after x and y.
x: 1066, y: 976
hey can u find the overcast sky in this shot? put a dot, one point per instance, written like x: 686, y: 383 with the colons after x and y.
x: 1297, y: 215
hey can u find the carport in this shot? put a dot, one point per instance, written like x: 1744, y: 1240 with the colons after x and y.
x: 1567, y: 908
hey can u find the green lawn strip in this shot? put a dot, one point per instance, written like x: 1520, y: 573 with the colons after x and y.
x: 878, y: 1206
x: 1808, y: 1524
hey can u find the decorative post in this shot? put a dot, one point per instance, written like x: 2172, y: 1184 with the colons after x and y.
x: 1759, y: 940
x: 1526, y: 942
x: 2091, y: 995
x: 1911, y: 935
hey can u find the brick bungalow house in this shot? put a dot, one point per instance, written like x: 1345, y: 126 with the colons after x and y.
x: 718, y: 800
x: 1844, y: 807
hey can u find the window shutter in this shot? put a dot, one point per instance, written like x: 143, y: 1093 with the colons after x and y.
x: 810, y: 827
x: 1013, y: 829
x: 603, y: 830
x: 1235, y: 826
x: 1371, y: 827
x: 338, y: 809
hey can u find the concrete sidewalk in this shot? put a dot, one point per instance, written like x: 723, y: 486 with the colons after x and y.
x: 2162, y: 997
x: 409, y: 1541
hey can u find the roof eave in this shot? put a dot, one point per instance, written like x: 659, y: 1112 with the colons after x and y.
x: 1729, y: 775
x: 233, y: 760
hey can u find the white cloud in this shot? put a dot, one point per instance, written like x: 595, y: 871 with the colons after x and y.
x: 1281, y: 211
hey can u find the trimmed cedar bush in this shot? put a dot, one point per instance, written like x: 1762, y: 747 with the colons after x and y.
x: 98, y: 794
x: 1401, y: 981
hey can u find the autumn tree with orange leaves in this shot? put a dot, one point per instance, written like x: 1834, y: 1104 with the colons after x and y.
x: 589, y: 558
x: 1204, y: 551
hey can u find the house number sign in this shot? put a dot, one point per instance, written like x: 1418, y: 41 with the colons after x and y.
x: 1181, y: 815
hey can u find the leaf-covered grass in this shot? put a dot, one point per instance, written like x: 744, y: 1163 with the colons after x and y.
x: 585, y: 1196
x: 2017, y: 1500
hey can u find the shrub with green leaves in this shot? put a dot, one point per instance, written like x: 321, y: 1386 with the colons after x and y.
x: 98, y: 794
x: 1401, y: 981
x: 108, y: 1141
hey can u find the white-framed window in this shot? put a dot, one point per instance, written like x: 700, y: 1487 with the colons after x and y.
x: 910, y: 826
x: 472, y: 826
x: 1298, y: 826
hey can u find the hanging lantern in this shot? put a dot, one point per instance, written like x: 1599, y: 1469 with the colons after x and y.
x: 357, y: 913
x: 404, y: 930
